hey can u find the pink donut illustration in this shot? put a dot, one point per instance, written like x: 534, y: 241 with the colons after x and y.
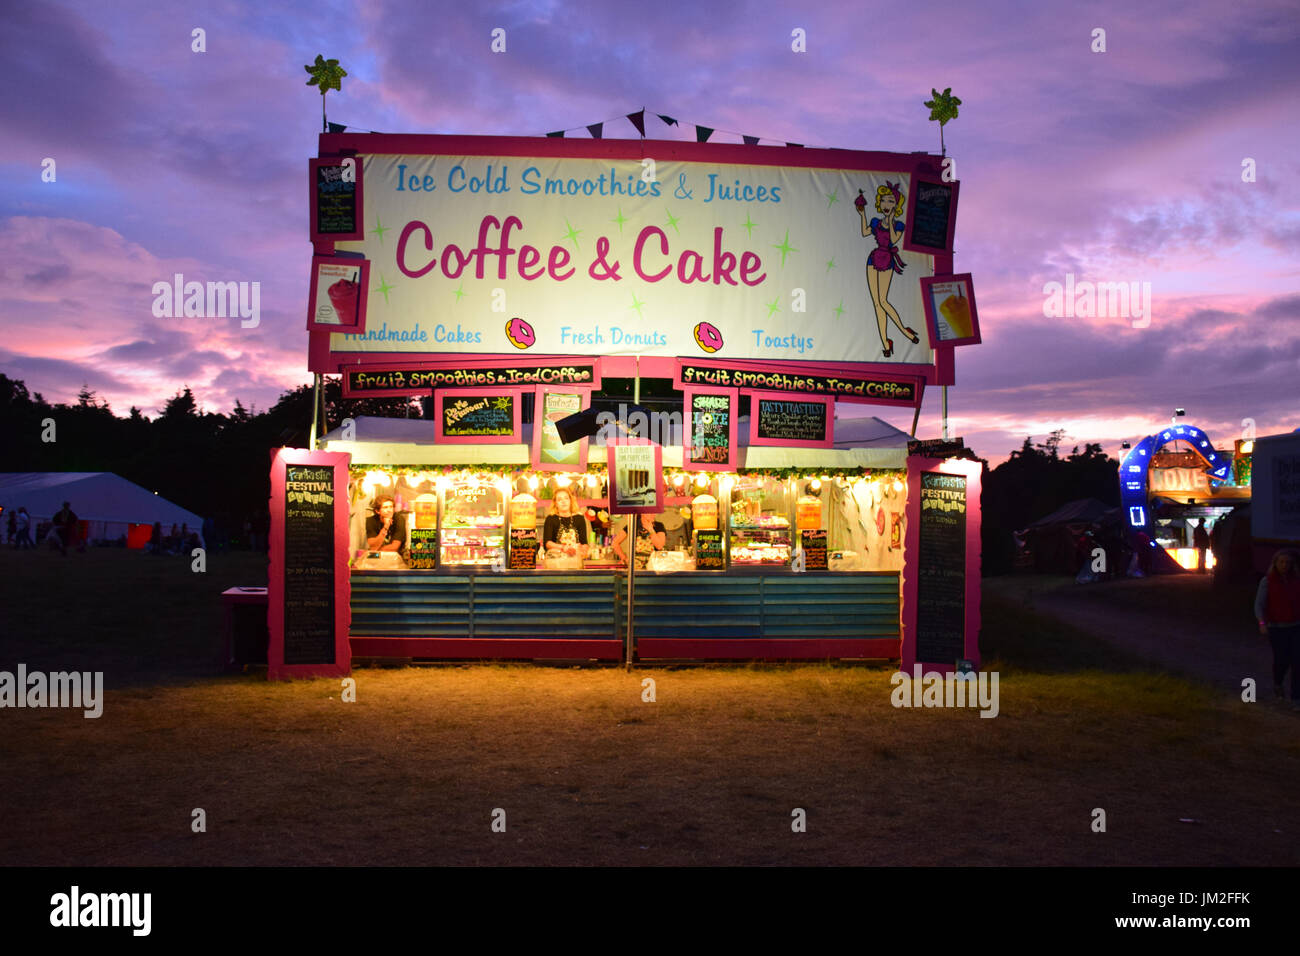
x: 708, y: 337
x: 520, y: 333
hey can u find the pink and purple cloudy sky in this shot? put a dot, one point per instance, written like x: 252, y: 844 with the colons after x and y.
x: 1117, y: 166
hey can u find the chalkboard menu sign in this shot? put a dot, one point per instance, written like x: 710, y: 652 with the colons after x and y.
x: 424, y: 548
x: 930, y: 227
x: 309, y: 565
x: 709, y: 553
x: 523, y: 548
x: 336, y: 208
x: 814, y: 549
x: 779, y: 421
x: 478, y: 416
x: 941, y: 564
x: 711, y: 422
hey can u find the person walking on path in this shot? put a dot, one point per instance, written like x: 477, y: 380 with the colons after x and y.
x: 1277, y: 608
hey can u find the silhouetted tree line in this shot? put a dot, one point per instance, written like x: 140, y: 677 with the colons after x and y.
x: 1034, y: 482
x: 213, y: 464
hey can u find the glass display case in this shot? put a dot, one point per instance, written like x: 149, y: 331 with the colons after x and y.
x: 760, y: 522
x: 473, y: 525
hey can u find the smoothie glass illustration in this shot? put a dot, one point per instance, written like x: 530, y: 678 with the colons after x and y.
x: 343, y: 296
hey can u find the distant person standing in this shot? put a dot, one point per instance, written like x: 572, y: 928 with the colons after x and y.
x: 24, y: 523
x: 1200, y: 541
x: 65, y: 523
x: 156, y: 539
x: 13, y: 527
x: 1277, y: 608
x: 1142, y: 541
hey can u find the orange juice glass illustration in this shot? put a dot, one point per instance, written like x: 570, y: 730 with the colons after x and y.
x: 956, y: 311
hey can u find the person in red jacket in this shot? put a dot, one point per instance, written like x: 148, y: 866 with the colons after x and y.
x: 1277, y: 607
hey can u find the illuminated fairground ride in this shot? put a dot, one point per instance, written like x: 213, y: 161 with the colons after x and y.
x: 1175, y: 480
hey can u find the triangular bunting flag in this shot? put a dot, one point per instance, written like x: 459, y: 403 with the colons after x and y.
x: 795, y: 145
x: 751, y: 140
x: 637, y: 119
x: 667, y: 119
x: 595, y: 130
x: 337, y: 127
x: 559, y: 133
x: 702, y: 134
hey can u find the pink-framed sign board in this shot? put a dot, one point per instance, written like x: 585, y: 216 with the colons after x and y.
x: 336, y: 301
x: 941, y: 570
x: 950, y: 312
x: 478, y: 416
x: 335, y: 199
x: 552, y: 404
x: 308, y: 583
x: 709, y: 433
x: 930, y: 214
x: 636, y: 477
x: 791, y: 421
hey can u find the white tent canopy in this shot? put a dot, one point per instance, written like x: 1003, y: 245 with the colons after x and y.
x: 108, y: 501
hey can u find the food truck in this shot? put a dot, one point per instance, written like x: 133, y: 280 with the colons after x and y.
x: 520, y: 286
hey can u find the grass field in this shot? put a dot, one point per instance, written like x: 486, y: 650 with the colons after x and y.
x: 588, y: 773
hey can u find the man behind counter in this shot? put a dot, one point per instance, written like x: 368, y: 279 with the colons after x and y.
x: 385, y: 531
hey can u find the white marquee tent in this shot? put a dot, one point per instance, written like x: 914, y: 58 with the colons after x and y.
x: 109, y: 502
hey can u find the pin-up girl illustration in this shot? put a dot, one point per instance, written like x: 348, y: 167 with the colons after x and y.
x: 884, y: 260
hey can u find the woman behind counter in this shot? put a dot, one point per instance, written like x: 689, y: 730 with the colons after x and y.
x: 385, y: 531
x: 650, y: 536
x: 564, y: 533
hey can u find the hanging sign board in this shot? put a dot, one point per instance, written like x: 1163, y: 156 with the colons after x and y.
x: 549, y: 451
x: 804, y: 422
x: 950, y: 310
x: 934, y: 215
x: 710, y: 429
x: 636, y: 477
x: 335, y: 199
x: 337, y: 297
x: 478, y: 416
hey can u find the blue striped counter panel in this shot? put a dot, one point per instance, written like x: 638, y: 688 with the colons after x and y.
x: 525, y: 615
x: 767, y: 614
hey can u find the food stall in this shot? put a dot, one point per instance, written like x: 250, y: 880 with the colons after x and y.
x: 518, y: 285
x: 796, y: 553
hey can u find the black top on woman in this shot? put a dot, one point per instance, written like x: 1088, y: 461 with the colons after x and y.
x: 564, y: 532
